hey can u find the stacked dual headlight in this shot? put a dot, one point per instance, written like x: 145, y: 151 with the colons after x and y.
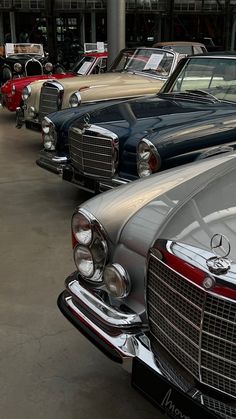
x: 148, y: 158
x: 49, y: 134
x: 91, y: 255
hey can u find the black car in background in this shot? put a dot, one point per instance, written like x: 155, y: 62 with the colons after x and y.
x: 29, y: 59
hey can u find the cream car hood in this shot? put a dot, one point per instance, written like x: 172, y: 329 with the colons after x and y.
x: 100, y: 87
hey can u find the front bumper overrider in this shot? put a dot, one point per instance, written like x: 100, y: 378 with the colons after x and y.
x: 124, y: 338
x: 51, y: 161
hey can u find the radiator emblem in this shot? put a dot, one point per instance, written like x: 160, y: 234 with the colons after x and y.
x: 220, y: 263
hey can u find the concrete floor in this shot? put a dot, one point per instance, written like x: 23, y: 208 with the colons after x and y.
x: 47, y: 369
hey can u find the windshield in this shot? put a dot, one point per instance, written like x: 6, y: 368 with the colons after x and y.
x: 154, y: 61
x: 209, y: 75
x: 83, y: 65
x: 16, y: 49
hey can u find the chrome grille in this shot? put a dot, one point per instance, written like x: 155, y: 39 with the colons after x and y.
x: 222, y: 409
x: 196, y: 328
x: 49, y: 99
x: 33, y: 67
x: 93, y: 151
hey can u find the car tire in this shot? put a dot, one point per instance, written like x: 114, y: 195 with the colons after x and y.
x: 6, y: 74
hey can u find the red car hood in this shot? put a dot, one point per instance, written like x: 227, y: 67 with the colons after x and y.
x: 21, y: 82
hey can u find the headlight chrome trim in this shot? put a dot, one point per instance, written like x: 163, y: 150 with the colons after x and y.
x: 96, y: 244
x: 49, y: 134
x: 144, y: 158
x: 75, y: 100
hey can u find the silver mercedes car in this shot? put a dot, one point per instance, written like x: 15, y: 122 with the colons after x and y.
x: 155, y: 284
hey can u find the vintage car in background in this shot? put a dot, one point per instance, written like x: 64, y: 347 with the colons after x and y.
x: 155, y: 284
x: 183, y: 47
x: 18, y: 60
x: 134, y: 73
x: 193, y: 117
x: 89, y: 63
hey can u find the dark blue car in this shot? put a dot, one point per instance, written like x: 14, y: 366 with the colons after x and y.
x: 191, y: 118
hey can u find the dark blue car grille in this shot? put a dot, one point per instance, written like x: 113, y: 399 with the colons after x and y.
x: 91, y: 154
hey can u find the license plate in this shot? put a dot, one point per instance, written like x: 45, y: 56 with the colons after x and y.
x: 167, y: 397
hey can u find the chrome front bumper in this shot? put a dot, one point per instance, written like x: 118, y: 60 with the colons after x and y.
x: 88, y: 183
x: 124, y: 338
x: 50, y: 161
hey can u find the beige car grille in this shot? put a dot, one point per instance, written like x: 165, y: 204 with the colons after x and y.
x: 198, y: 329
x: 49, y: 100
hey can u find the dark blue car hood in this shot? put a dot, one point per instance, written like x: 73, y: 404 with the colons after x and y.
x: 163, y: 114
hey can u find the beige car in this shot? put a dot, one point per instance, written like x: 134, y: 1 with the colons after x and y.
x: 135, y: 72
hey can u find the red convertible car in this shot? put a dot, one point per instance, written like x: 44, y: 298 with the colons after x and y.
x: 89, y: 63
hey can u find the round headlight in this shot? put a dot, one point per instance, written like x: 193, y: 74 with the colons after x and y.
x: 117, y: 280
x: 17, y: 67
x: 143, y: 168
x: 149, y: 160
x: 26, y: 92
x: 144, y: 149
x: 75, y: 100
x: 84, y: 261
x: 82, y: 228
x: 13, y: 89
x: 49, y: 142
x: 46, y: 125
x: 48, y: 66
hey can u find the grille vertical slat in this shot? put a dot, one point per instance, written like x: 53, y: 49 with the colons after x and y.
x: 92, y: 152
x: 195, y: 327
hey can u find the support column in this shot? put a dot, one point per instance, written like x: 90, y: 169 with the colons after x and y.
x: 51, y: 30
x: 159, y: 36
x: 115, y: 28
x: 93, y: 27
x: 82, y: 30
x: 13, y: 27
x: 1, y: 29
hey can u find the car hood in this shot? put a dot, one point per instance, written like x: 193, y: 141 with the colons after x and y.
x: 152, y: 208
x: 102, y: 87
x: 141, y: 117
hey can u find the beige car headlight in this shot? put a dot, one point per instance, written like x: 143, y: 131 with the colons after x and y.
x: 90, y: 246
x: 148, y: 158
x: 117, y: 280
x: 26, y: 92
x: 75, y: 100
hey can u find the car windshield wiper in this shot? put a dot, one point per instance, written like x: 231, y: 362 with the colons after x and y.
x: 202, y: 93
